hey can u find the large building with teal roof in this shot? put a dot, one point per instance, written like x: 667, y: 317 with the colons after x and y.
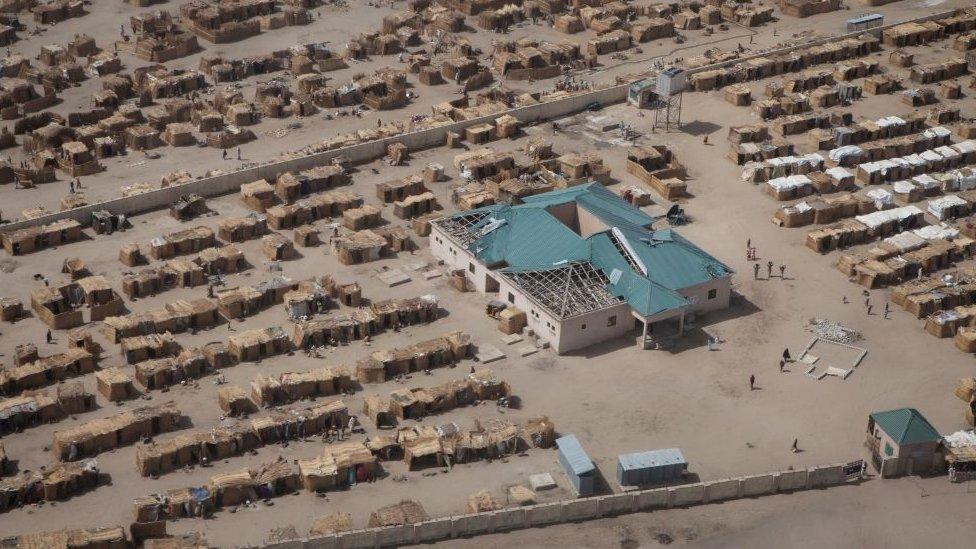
x: 584, y: 265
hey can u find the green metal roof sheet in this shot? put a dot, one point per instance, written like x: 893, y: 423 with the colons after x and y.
x: 550, y: 241
x: 906, y: 426
x: 671, y: 260
x: 641, y: 293
x: 530, y: 238
x: 596, y: 199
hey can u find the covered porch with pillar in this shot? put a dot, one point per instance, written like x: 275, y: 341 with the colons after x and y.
x: 656, y: 332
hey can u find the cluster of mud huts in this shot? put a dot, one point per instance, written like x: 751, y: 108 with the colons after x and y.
x: 235, y: 438
x: 341, y: 328
x: 384, y: 365
x: 418, y: 402
x: 235, y: 20
x: 445, y: 445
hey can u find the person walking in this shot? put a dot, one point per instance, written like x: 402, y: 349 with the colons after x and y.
x: 239, y: 153
x: 71, y: 187
x: 755, y: 271
x: 224, y: 154
x: 769, y: 269
x: 782, y: 271
x: 795, y: 447
x: 782, y: 365
x: 886, y: 310
x: 786, y: 355
x: 49, y: 338
x: 748, y: 243
x: 752, y: 382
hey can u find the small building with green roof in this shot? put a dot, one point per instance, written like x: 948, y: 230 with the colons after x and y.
x: 903, y: 442
x: 584, y: 265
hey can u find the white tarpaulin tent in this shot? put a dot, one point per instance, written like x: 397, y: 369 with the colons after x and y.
x: 876, y: 219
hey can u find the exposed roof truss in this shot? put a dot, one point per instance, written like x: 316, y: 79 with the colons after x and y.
x: 573, y: 289
x: 459, y: 227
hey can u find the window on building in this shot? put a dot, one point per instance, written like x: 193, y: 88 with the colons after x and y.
x: 471, y: 267
x: 583, y: 327
x: 888, y: 449
x: 712, y: 294
x: 612, y: 321
x: 511, y: 297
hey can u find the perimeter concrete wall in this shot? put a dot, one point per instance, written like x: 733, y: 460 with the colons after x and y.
x: 540, y: 515
x: 617, y: 504
x: 362, y: 152
x: 718, y: 490
x: 653, y: 499
x: 577, y: 510
x: 793, y: 480
x: 757, y: 485
x: 688, y: 494
x: 581, y: 509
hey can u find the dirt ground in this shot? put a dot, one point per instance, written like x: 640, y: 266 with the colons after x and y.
x: 613, y: 397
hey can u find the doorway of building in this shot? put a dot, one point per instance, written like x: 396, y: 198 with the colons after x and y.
x: 491, y: 285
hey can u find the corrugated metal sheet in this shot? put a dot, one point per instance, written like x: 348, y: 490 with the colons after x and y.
x: 651, y: 458
x: 530, y: 238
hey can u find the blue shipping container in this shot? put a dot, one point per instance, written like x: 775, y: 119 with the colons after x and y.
x: 577, y: 465
x: 653, y: 467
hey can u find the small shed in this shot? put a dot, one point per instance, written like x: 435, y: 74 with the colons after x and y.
x: 902, y: 442
x: 865, y: 22
x: 577, y: 464
x: 652, y: 467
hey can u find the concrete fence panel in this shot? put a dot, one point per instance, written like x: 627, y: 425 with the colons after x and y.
x: 575, y: 510
x: 356, y: 539
x: 581, y: 509
x: 617, y: 504
x: 291, y: 544
x: 758, y: 485
x: 687, y: 494
x: 321, y: 542
x: 431, y: 530
x: 469, y: 525
x: 793, y: 480
x: 652, y: 499
x: 392, y: 536
x: 827, y: 475
x: 507, y: 519
x: 719, y: 490
x: 545, y: 513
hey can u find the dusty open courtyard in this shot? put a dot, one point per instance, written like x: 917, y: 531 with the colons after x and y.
x: 615, y: 397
